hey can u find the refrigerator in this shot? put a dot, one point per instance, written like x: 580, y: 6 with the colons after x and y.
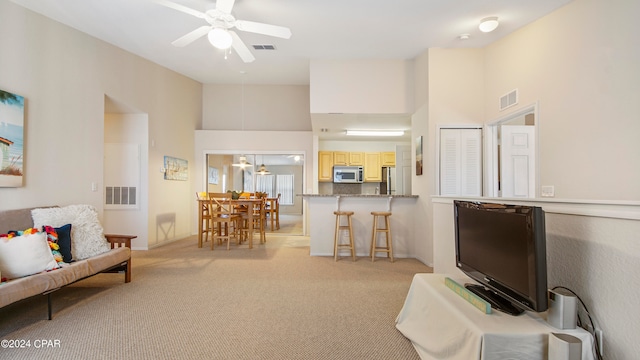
x: 388, y: 184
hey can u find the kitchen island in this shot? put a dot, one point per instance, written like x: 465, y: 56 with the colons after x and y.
x: 321, y: 221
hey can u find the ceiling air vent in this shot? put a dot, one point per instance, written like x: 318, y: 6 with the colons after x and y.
x: 264, y: 47
x: 509, y: 99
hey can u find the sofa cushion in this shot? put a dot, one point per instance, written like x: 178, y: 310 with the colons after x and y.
x: 52, y: 239
x: 25, y: 254
x: 109, y: 259
x: 17, y: 219
x: 87, y: 235
x: 62, y: 237
x: 25, y: 287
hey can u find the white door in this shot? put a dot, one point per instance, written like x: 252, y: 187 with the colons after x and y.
x: 517, y: 154
x: 461, y: 162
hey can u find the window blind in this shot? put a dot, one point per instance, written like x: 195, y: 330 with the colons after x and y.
x: 284, y: 186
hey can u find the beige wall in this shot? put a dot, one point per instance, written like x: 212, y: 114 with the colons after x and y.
x: 64, y: 76
x: 365, y: 146
x: 421, y: 185
x: 361, y: 86
x: 256, y: 107
x: 452, y: 96
x: 580, y: 63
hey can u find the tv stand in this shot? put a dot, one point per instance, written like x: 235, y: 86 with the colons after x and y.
x: 443, y: 325
x: 497, y: 302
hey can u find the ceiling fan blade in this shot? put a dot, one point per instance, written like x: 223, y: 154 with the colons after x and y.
x: 225, y: 6
x: 265, y: 29
x: 192, y: 36
x: 241, y: 48
x: 181, y: 8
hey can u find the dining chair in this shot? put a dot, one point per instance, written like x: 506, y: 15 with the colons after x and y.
x: 225, y: 220
x: 259, y: 219
x: 202, y: 197
x: 273, y: 211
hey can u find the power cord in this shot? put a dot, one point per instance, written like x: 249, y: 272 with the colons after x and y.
x: 595, y: 342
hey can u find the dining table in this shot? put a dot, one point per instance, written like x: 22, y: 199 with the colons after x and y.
x: 236, y: 203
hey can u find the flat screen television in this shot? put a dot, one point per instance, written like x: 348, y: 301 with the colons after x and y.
x: 503, y: 247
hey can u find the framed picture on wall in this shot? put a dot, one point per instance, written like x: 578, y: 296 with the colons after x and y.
x: 11, y: 139
x: 175, y: 169
x: 213, y: 176
x: 419, y: 155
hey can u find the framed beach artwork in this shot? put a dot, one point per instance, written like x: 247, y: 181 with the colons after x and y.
x: 175, y: 169
x: 11, y: 139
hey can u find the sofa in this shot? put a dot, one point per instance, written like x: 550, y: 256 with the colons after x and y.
x: 85, y: 251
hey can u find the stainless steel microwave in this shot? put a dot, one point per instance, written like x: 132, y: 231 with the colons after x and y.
x: 348, y: 174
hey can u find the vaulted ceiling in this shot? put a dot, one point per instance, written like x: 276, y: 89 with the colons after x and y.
x: 321, y: 29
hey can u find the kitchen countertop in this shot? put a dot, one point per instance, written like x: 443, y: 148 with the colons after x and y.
x: 321, y: 217
x: 359, y: 195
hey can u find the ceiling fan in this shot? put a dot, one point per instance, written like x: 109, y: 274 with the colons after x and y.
x: 220, y: 22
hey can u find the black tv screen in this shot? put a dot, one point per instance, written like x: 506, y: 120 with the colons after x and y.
x: 503, y: 247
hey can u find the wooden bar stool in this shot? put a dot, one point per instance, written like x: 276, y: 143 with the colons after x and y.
x: 337, y: 244
x: 386, y: 231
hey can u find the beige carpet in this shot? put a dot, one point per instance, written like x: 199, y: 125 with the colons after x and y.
x: 272, y: 302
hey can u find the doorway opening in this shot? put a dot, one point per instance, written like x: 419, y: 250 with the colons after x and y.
x: 125, y: 180
x: 283, y: 175
x: 511, y: 148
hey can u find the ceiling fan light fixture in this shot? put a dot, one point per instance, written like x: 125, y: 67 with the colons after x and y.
x: 375, y: 132
x: 488, y: 24
x: 220, y: 38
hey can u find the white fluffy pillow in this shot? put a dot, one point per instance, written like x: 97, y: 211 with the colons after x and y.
x: 87, y: 235
x: 25, y: 255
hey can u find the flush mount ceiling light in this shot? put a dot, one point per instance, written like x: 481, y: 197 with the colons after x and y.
x: 488, y: 24
x: 220, y: 38
x: 375, y: 132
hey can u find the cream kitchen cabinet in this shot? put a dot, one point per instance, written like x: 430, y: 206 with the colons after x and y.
x: 346, y: 158
x: 388, y: 158
x: 371, y: 161
x: 341, y: 158
x: 325, y: 166
x: 372, y: 167
x: 356, y: 158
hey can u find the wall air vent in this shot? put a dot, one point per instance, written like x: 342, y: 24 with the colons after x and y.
x: 509, y: 99
x: 264, y: 47
x: 120, y: 195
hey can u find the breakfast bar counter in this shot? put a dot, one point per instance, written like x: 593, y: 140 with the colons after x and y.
x: 321, y: 221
